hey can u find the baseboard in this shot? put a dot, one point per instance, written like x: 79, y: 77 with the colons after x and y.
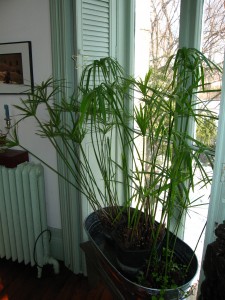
x: 56, y: 243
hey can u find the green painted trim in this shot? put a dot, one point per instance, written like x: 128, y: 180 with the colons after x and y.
x: 191, y: 23
x: 216, y: 210
x: 125, y: 16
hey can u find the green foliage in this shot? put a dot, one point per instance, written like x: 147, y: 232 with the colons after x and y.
x: 206, y: 130
x: 146, y: 157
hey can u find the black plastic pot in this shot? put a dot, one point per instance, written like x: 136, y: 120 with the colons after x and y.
x: 130, y: 262
x: 106, y: 255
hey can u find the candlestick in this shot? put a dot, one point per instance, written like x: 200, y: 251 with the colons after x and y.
x: 6, y: 107
x: 8, y: 124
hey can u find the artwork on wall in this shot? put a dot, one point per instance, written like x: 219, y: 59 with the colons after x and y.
x: 16, y: 72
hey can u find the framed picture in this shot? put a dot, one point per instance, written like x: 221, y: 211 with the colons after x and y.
x: 16, y: 71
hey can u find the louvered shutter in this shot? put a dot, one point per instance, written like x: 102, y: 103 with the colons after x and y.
x: 95, y: 30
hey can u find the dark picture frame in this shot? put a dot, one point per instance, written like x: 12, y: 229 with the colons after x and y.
x: 16, y: 68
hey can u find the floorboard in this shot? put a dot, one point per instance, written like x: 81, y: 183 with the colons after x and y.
x: 20, y: 282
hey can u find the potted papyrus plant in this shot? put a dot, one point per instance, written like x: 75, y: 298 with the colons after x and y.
x: 145, y: 157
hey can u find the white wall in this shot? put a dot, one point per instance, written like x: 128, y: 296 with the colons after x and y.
x: 29, y: 20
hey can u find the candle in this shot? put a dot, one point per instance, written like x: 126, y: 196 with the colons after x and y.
x: 6, y: 111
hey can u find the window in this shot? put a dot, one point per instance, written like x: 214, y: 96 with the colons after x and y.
x: 212, y: 45
x: 157, y: 33
x: 157, y: 37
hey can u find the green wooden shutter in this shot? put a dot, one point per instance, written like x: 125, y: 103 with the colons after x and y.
x: 105, y: 28
x: 95, y: 30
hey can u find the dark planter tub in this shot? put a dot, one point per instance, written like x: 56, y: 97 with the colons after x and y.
x: 106, y: 256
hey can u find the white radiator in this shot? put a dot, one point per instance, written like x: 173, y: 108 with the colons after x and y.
x: 23, y: 223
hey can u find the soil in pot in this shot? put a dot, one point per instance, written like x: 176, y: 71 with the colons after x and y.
x: 132, y: 246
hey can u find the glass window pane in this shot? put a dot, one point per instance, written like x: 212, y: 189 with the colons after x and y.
x: 213, y: 42
x: 156, y: 39
x: 156, y: 33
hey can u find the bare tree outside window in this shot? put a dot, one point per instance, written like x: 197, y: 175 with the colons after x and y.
x: 163, y: 31
x: 213, y: 37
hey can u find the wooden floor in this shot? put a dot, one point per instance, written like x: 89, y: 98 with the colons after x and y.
x: 20, y: 282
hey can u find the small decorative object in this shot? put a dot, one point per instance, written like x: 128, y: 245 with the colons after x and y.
x: 3, y: 135
x: 16, y: 74
x: 2, y: 142
x: 6, y: 107
x: 213, y: 287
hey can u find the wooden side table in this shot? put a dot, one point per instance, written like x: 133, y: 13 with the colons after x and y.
x: 11, y: 158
